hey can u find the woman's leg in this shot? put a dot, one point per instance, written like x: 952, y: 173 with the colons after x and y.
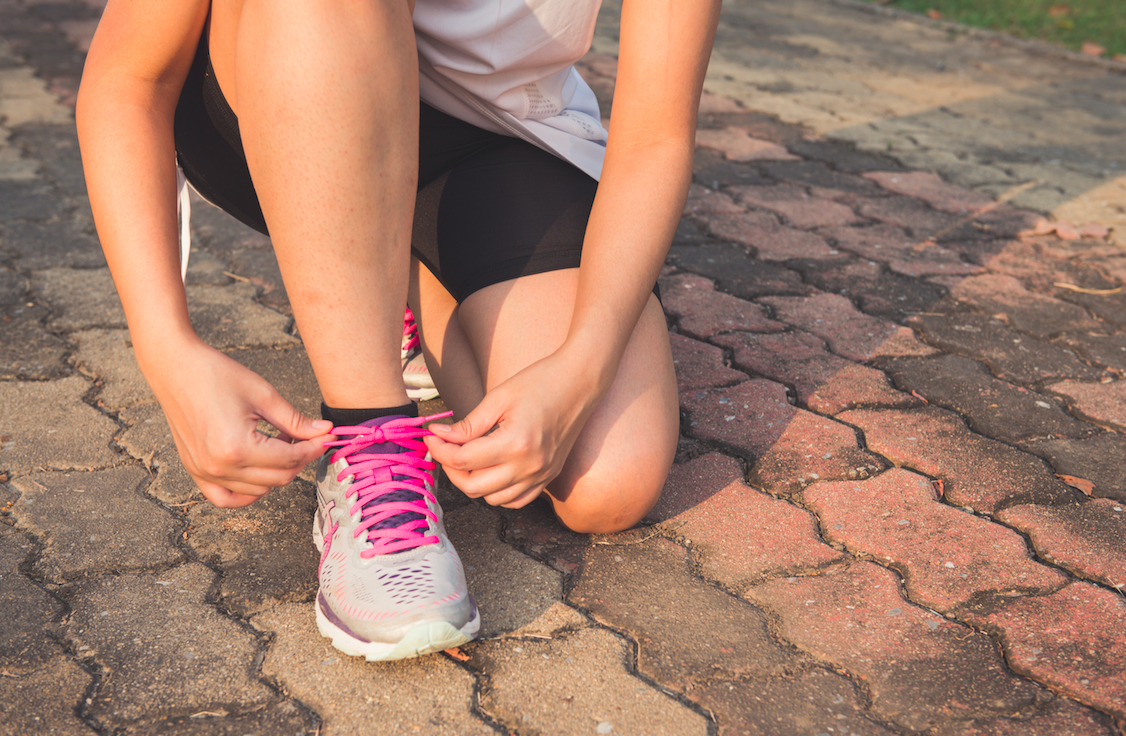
x: 618, y: 466
x: 326, y: 95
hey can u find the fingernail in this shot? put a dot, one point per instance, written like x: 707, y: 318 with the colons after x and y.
x: 440, y: 428
x: 322, y: 424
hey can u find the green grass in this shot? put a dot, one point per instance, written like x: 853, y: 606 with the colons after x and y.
x: 1068, y: 24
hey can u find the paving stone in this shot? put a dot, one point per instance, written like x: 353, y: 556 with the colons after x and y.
x: 264, y: 550
x: 737, y: 145
x: 1073, y: 641
x: 149, y: 440
x: 66, y: 241
x: 993, y: 407
x: 1059, y: 716
x: 946, y: 556
x: 164, y: 651
x: 574, y: 684
x: 790, y: 447
x: 699, y: 365
x: 25, y: 609
x: 228, y: 317
x: 1102, y: 403
x: 918, y: 668
x: 823, y: 181
x: 825, y: 383
x: 919, y: 220
x: 815, y: 702
x: 849, y: 333
x: 703, y: 312
x: 44, y: 701
x: 513, y: 591
x: 737, y: 273
x: 94, y: 522
x: 932, y: 189
x: 842, y: 155
x: 796, y: 205
x: 649, y: 591
x: 1039, y: 268
x: 904, y: 254
x: 81, y: 298
x: 713, y: 170
x: 870, y: 285
x: 107, y: 357
x: 27, y: 200
x: 1107, y: 350
x: 27, y: 351
x: 1085, y: 539
x: 762, y: 231
x: 738, y: 534
x: 702, y: 200
x: 976, y: 472
x: 288, y: 370
x: 260, y: 267
x: 1087, y: 459
x: 281, y: 718
x: 46, y: 425
x: 350, y: 694
x: 1025, y: 310
x: 1009, y: 354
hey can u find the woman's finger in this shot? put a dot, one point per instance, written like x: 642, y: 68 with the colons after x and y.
x: 225, y: 498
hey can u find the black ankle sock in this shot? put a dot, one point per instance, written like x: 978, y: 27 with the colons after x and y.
x: 353, y: 417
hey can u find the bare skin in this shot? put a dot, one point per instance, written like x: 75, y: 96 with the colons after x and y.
x: 564, y: 379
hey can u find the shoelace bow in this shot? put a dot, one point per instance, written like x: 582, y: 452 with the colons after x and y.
x: 410, y: 332
x: 379, y: 474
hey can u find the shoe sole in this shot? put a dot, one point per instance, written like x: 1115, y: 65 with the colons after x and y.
x: 422, y: 394
x: 426, y: 638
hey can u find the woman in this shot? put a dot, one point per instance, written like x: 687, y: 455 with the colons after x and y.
x: 532, y: 286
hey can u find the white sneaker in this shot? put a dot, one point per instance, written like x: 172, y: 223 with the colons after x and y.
x: 416, y: 376
x: 391, y: 584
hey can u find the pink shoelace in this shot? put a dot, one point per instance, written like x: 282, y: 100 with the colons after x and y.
x: 410, y: 332
x: 390, y: 484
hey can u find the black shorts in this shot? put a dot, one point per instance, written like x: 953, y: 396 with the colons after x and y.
x: 490, y: 208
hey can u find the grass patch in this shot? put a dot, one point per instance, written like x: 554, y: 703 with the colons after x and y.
x: 1069, y: 24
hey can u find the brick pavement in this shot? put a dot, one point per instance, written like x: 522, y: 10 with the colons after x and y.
x: 898, y: 503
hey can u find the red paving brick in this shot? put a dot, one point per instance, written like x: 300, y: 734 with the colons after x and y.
x: 702, y: 312
x: 1088, y: 539
x: 762, y: 231
x: 920, y: 669
x: 1062, y: 717
x: 849, y: 332
x: 1073, y: 641
x: 977, y: 472
x: 798, y: 207
x: 945, y: 555
x: 738, y: 534
x: 737, y: 145
x: 917, y: 218
x: 909, y: 256
x: 825, y: 383
x: 932, y: 189
x: 699, y: 365
x: 702, y: 200
x: 791, y: 447
x: 1103, y: 403
x: 1025, y: 310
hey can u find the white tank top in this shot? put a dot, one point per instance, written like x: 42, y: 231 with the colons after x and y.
x: 508, y: 66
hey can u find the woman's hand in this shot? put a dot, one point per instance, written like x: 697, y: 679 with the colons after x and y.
x: 213, y: 405
x: 517, y: 439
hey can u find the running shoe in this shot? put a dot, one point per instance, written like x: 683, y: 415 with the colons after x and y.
x: 416, y: 376
x: 391, y: 584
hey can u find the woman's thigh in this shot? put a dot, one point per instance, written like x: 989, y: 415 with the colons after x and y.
x: 617, y: 468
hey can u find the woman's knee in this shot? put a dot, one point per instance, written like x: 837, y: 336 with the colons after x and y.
x: 613, y: 497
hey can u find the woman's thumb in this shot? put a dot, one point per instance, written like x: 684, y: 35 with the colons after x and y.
x: 292, y: 423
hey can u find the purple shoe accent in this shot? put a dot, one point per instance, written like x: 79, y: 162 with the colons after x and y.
x: 389, y: 448
x: 327, y: 611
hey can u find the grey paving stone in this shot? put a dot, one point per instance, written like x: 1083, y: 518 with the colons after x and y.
x: 44, y: 701
x: 27, y: 350
x: 229, y: 317
x: 992, y: 407
x: 54, y: 146
x: 1107, y: 350
x: 352, y: 696
x: 66, y: 241
x: 265, y: 550
x: 164, y: 651
x: 80, y: 298
x: 513, y: 591
x: 688, y: 632
x: 1009, y: 354
x: 731, y: 268
x: 25, y: 608
x: 1025, y: 310
x: 1087, y: 459
x: 875, y: 289
x: 149, y: 440
x: 27, y: 200
x: 287, y: 369
x: 814, y: 702
x: 107, y: 357
x: 46, y: 425
x: 283, y: 719
x: 94, y: 522
x: 575, y: 684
